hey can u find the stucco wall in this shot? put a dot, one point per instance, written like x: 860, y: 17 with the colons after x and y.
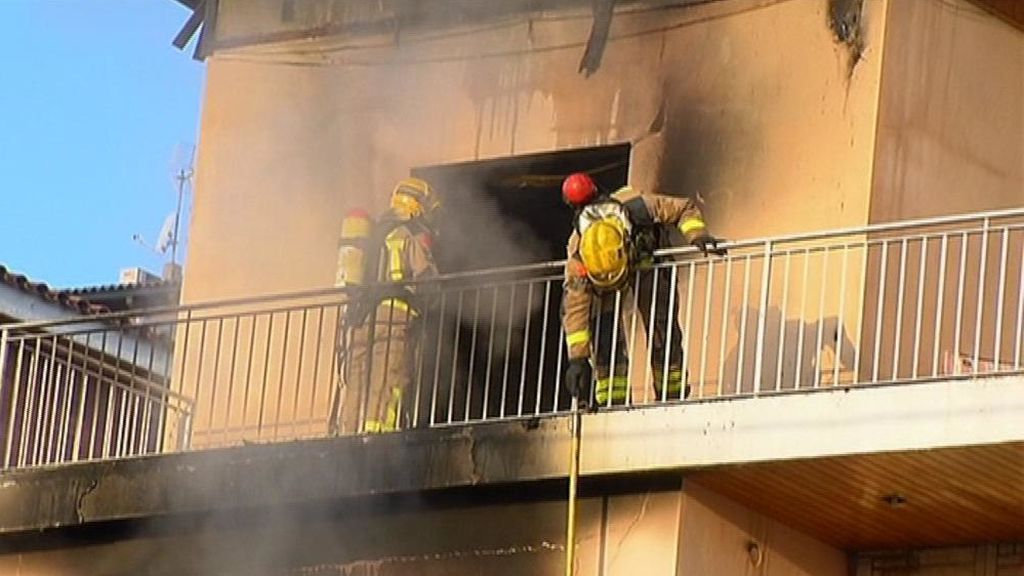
x: 951, y: 122
x: 950, y: 141
x: 619, y: 535
x: 710, y: 97
x: 719, y: 536
x: 295, y: 134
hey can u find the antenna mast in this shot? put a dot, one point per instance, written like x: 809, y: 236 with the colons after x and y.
x: 182, y: 177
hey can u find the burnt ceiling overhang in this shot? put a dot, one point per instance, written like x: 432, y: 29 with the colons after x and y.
x: 248, y: 23
x: 251, y: 23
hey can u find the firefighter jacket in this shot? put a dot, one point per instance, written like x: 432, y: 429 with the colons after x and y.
x: 647, y: 212
x: 403, y: 253
x: 406, y: 255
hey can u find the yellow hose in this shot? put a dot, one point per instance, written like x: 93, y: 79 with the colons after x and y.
x: 574, y: 475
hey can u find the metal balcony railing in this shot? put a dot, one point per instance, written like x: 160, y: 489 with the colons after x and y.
x: 84, y: 390
x: 883, y: 304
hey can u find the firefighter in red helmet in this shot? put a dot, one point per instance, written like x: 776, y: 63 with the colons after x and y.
x: 578, y: 189
x: 615, y: 236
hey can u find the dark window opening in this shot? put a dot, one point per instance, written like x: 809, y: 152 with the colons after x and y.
x: 495, y: 350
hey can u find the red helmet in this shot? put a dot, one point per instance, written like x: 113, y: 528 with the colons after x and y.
x: 578, y: 189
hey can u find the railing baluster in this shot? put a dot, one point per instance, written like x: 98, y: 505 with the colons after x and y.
x: 298, y: 374
x: 563, y: 352
x: 453, y: 381
x: 880, y: 305
x: 1020, y: 316
x: 99, y: 383
x: 226, y: 426
x: 508, y: 349
x: 47, y: 413
x: 959, y: 304
x: 631, y: 344
x: 596, y: 308
x: 686, y: 329
x: 466, y: 416
x: 648, y: 365
x: 200, y: 360
x: 282, y: 372
x: 671, y: 321
x: 68, y: 404
x: 762, y: 315
x: 134, y: 436
x: 385, y: 392
x: 135, y: 378
x: 266, y: 375
x: 784, y: 310
x: 119, y: 449
x: 741, y: 342
x: 184, y: 439
x: 49, y: 446
x: 997, y: 340
x: 79, y: 426
x: 840, y: 324
x: 821, y: 317
x: 4, y: 341
x: 215, y: 380
x: 490, y: 355
x: 526, y: 347
x: 979, y: 314
x: 32, y: 457
x: 417, y: 400
x: 707, y: 323
x: 437, y: 360
x: 939, y: 302
x: 26, y: 423
x: 900, y: 297
x: 16, y: 383
x: 315, y: 376
x: 614, y: 341
x: 798, y: 367
x: 919, y: 312
x: 862, y: 296
x: 724, y: 330
x: 543, y: 346
x: 337, y: 372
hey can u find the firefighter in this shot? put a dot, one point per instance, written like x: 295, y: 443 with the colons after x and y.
x: 616, y: 235
x: 383, y: 341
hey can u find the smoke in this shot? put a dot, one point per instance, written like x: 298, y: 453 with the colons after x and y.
x: 287, y: 150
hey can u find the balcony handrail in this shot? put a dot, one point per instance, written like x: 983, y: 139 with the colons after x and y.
x: 510, y: 270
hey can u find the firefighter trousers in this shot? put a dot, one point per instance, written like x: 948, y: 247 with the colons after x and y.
x: 614, y: 335
x: 378, y: 371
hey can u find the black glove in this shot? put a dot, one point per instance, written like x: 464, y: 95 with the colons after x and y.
x: 578, y: 377
x: 708, y: 244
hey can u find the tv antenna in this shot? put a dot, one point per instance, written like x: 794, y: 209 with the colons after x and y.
x: 182, y: 172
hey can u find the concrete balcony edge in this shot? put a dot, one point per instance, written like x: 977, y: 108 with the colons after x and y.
x: 668, y: 437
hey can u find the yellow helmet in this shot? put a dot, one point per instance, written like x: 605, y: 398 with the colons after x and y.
x: 604, y: 252
x: 413, y: 197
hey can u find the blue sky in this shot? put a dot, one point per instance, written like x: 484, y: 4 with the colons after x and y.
x: 93, y: 106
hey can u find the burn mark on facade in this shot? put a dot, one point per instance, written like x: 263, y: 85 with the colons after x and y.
x: 847, y: 25
x: 603, y: 10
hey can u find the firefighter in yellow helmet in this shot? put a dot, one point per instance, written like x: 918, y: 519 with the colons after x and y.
x: 383, y: 343
x: 612, y: 244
